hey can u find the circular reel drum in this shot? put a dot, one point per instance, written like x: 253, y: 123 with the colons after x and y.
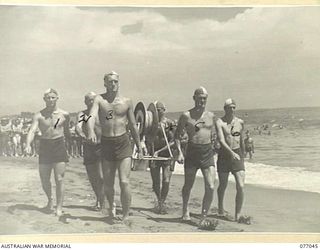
x: 154, y: 122
x: 147, y: 120
x: 140, y: 116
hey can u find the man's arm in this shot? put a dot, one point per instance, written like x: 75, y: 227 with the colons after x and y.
x: 181, y: 125
x: 133, y: 128
x: 66, y: 129
x: 170, y: 137
x: 242, y: 146
x: 222, y: 140
x: 213, y: 129
x: 252, y: 146
x: 31, y: 133
x: 94, y: 114
x: 79, y: 125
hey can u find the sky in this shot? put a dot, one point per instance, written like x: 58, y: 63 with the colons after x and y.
x: 263, y: 57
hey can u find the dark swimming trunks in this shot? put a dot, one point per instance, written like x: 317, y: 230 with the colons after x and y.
x: 199, y: 156
x: 226, y: 164
x: 116, y: 148
x: 52, y: 151
x: 91, y: 153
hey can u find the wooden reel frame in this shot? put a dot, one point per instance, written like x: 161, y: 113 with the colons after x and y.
x: 148, y: 122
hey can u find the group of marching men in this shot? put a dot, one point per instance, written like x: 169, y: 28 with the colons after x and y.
x: 108, y: 126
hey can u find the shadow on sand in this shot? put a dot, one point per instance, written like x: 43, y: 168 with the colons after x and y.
x: 28, y: 207
x: 65, y: 218
x: 146, y: 213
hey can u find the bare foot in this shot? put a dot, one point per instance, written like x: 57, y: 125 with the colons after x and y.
x: 244, y: 219
x: 163, y: 208
x: 49, y: 207
x: 59, y: 212
x: 113, y: 211
x: 186, y: 217
x: 206, y: 224
x: 126, y: 221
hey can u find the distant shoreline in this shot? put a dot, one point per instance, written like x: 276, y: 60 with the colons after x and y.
x: 74, y: 113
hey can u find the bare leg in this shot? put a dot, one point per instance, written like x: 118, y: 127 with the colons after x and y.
x: 239, y: 178
x: 59, y: 171
x: 223, y: 183
x: 209, y: 178
x: 15, y: 146
x: 124, y: 175
x: 155, y: 176
x: 189, y: 178
x: 109, y: 172
x: 95, y: 177
x: 166, y: 176
x: 45, y: 174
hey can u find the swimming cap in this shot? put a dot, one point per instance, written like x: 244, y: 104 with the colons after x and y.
x: 90, y: 94
x: 160, y: 105
x: 229, y: 102
x: 200, y: 91
x: 112, y: 73
x: 50, y: 90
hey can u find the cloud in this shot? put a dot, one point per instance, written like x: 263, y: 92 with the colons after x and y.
x: 264, y: 50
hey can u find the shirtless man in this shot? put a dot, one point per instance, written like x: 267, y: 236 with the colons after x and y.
x: 92, y: 152
x: 53, y: 123
x: 230, y: 157
x: 249, y: 145
x: 114, y: 113
x: 160, y: 149
x: 5, y: 130
x: 199, y: 125
x: 16, y: 138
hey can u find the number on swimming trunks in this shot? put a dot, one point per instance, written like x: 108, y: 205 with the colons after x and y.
x: 109, y: 115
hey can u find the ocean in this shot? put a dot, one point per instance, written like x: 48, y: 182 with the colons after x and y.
x: 287, y: 157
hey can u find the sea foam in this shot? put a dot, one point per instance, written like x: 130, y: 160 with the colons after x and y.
x: 295, y: 178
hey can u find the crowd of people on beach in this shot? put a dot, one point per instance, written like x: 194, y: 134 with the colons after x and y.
x: 104, y: 134
x: 13, y: 136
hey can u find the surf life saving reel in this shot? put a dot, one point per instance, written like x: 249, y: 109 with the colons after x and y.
x: 147, y: 122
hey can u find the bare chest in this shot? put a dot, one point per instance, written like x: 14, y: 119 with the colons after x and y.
x: 205, y: 123
x: 54, y: 121
x: 116, y: 109
x: 232, y: 129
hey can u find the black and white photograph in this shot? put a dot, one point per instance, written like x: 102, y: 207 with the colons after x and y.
x: 159, y: 119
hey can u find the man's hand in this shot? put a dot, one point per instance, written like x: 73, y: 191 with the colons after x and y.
x: 139, y: 154
x: 28, y: 149
x: 92, y: 138
x: 235, y: 156
x: 156, y: 154
x: 180, y: 158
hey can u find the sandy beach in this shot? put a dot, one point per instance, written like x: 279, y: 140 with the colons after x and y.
x: 22, y: 198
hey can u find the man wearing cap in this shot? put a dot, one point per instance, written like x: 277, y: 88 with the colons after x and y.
x: 160, y: 148
x: 92, y: 152
x: 5, y: 130
x: 53, y: 123
x: 114, y: 113
x: 199, y: 125
x: 230, y: 157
